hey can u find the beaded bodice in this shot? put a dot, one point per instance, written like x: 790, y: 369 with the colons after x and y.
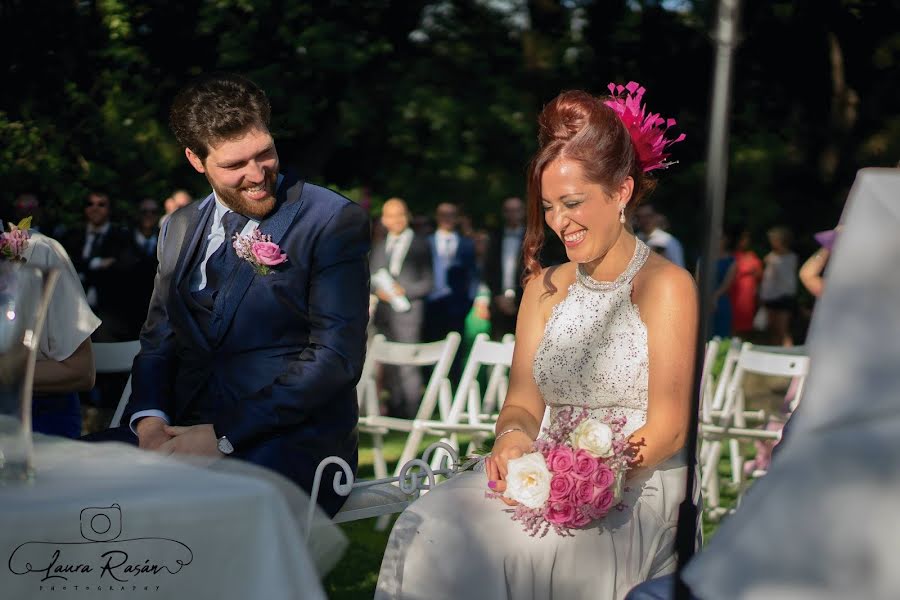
x: 593, y: 353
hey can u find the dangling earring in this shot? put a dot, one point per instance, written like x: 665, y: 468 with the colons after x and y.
x: 622, y: 214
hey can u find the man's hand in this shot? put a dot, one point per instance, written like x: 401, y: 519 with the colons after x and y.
x: 151, y: 433
x: 199, y: 440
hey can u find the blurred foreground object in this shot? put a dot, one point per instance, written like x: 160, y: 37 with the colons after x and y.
x: 821, y: 523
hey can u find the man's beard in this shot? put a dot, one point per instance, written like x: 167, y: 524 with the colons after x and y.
x: 254, y: 209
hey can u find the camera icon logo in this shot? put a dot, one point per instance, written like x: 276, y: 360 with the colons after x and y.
x: 101, y: 523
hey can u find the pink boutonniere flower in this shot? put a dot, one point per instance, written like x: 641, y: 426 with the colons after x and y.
x: 259, y: 250
x: 14, y: 242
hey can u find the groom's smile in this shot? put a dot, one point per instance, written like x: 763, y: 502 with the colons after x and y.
x: 243, y: 172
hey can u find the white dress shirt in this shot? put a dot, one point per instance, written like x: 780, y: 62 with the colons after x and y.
x: 447, y: 242
x: 395, y: 249
x: 216, y: 237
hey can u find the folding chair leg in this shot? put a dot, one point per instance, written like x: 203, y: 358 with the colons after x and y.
x: 381, y: 523
x: 378, y: 456
x: 410, y: 448
x: 737, y: 461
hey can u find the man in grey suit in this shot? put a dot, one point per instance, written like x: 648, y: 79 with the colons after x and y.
x: 406, y: 258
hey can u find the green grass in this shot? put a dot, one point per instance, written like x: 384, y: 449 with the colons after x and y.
x: 357, y: 573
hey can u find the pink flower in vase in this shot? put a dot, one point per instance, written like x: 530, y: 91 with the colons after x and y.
x: 268, y: 253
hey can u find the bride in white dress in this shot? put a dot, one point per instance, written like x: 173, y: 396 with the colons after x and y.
x: 613, y: 331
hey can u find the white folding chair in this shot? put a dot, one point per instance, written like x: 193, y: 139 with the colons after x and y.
x: 439, y: 355
x: 707, y: 389
x: 730, y: 423
x: 471, y: 412
x: 116, y: 357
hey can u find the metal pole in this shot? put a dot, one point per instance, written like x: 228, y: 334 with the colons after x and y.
x: 716, y: 181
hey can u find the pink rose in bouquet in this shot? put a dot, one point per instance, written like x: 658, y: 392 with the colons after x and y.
x: 603, y: 477
x: 583, y: 492
x: 560, y: 512
x: 582, y: 517
x: 585, y: 464
x: 604, y: 500
x: 561, y: 485
x: 569, y: 480
x: 560, y: 459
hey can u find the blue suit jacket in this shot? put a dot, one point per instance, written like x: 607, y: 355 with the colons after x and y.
x: 284, y: 351
x: 456, y: 280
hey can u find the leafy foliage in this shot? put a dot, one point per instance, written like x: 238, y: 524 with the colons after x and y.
x: 436, y: 100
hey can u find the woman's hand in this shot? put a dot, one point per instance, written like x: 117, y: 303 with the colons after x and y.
x: 512, y: 445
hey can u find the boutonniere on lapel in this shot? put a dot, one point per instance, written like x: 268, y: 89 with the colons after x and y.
x: 14, y: 242
x: 259, y: 250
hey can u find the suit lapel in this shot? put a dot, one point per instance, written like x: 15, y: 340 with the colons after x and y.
x: 276, y: 225
x: 196, y: 229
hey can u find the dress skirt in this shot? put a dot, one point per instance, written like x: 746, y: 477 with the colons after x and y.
x: 454, y: 542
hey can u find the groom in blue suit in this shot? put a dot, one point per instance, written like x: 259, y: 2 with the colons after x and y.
x: 233, y: 361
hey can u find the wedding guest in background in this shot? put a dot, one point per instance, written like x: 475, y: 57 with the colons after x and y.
x: 174, y: 202
x: 504, y: 268
x: 812, y: 272
x: 65, y: 361
x: 725, y: 273
x: 659, y: 240
x: 454, y: 269
x: 478, y: 319
x: 778, y: 290
x: 743, y: 292
x: 104, y: 255
x: 146, y: 235
x: 146, y: 232
x: 406, y: 256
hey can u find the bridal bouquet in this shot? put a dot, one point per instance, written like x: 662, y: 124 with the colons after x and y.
x: 574, y: 475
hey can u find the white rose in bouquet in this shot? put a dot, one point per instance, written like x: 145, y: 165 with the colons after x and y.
x: 593, y: 436
x: 528, y: 480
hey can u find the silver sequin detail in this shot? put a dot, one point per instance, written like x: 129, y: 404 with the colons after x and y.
x: 641, y: 252
x: 593, y: 353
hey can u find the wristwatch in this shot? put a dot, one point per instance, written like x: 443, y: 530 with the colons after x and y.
x: 224, y: 445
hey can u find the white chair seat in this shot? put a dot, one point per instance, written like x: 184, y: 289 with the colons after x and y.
x: 372, y: 501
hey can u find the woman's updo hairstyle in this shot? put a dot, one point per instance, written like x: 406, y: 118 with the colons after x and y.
x: 578, y: 126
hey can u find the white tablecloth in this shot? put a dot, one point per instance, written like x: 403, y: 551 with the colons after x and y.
x: 111, y: 521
